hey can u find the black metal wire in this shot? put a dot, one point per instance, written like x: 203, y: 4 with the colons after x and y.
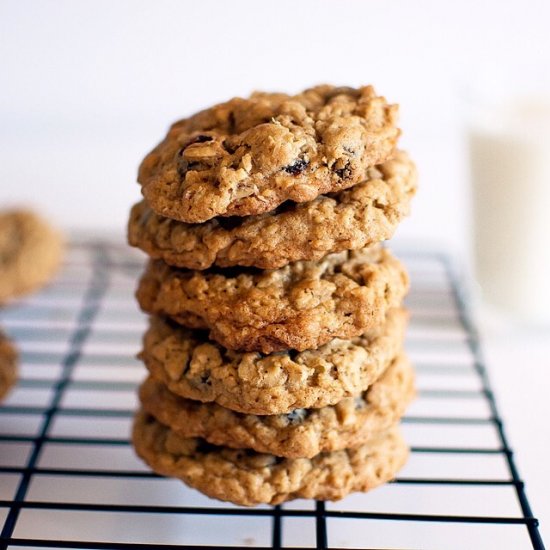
x: 84, y: 329
x: 276, y: 541
x: 89, y: 308
x: 321, y: 524
x: 474, y: 344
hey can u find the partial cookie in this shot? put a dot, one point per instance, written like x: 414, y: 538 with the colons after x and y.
x: 301, y: 306
x: 249, y: 478
x: 355, y: 218
x: 192, y: 366
x: 247, y: 156
x: 30, y: 253
x: 303, y: 433
x: 8, y: 365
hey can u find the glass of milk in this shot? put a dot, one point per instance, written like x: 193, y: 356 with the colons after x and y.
x: 509, y: 146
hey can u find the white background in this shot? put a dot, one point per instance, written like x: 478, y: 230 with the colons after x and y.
x: 87, y: 87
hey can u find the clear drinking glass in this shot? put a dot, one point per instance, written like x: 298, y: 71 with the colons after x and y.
x: 509, y: 152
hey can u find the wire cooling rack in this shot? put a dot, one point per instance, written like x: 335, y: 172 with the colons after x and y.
x: 69, y: 477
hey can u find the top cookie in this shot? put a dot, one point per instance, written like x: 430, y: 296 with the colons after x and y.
x: 30, y: 253
x: 247, y: 156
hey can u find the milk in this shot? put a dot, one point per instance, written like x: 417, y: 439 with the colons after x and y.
x: 510, y: 168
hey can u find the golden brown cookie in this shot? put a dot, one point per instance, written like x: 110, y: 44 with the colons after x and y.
x: 302, y: 433
x: 30, y: 253
x: 351, y: 219
x: 192, y: 366
x: 8, y: 365
x: 247, y: 156
x: 249, y: 478
x: 300, y: 306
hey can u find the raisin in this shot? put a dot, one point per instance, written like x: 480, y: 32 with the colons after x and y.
x: 297, y: 167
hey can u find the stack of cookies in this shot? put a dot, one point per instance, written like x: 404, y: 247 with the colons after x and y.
x: 275, y: 343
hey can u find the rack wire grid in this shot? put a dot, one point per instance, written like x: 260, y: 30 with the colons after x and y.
x: 69, y: 477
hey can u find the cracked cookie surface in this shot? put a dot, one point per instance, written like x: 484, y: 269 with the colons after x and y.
x: 248, y: 478
x: 247, y: 156
x: 302, y: 433
x: 30, y: 253
x: 351, y: 219
x: 194, y: 367
x: 8, y: 365
x: 300, y: 306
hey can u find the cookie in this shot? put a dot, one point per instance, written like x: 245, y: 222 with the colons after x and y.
x: 247, y: 156
x: 303, y: 433
x: 192, y: 366
x: 30, y: 253
x: 8, y: 365
x: 248, y: 478
x: 351, y: 219
x: 300, y: 306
